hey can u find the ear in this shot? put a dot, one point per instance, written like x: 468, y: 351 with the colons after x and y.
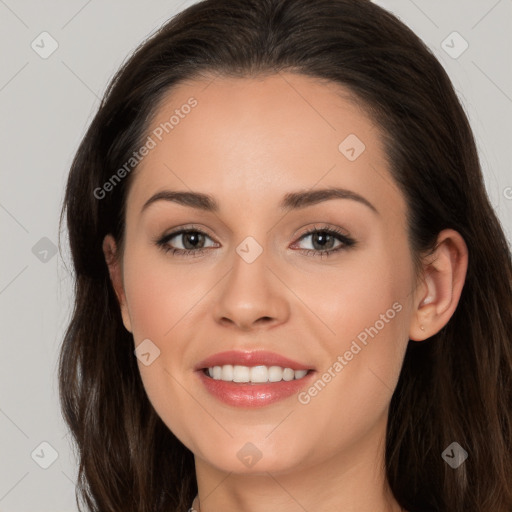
x: 438, y: 293
x: 116, y: 277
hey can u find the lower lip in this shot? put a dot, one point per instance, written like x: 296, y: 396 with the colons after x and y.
x: 253, y: 395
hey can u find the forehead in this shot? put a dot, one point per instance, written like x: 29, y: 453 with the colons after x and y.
x: 253, y: 138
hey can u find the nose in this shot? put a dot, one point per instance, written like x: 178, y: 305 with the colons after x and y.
x: 252, y: 296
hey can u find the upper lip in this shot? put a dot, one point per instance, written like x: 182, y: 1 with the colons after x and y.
x: 250, y: 358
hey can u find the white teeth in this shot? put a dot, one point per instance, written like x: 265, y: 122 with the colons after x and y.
x: 254, y: 374
x: 240, y: 373
x: 288, y: 374
x: 259, y: 374
x: 226, y: 372
x: 275, y: 374
x: 300, y: 373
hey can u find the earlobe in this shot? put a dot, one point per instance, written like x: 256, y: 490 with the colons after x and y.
x: 116, y: 277
x: 438, y: 294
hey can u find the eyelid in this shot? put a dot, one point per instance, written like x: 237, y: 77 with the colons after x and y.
x: 186, y: 227
x: 342, y: 236
x: 180, y: 230
x: 319, y: 226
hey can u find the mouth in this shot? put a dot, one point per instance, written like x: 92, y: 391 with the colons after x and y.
x: 252, y: 379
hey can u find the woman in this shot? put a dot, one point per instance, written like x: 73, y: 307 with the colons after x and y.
x: 212, y: 357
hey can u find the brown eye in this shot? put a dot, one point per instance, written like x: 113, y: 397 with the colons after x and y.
x: 323, y: 241
x: 191, y: 241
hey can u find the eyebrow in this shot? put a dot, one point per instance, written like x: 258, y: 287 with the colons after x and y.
x: 291, y: 201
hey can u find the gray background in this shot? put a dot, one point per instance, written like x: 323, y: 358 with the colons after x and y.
x: 45, y: 107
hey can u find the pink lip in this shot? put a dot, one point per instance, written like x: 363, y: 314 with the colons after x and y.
x: 254, y: 358
x: 250, y: 394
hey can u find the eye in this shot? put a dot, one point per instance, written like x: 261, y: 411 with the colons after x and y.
x: 323, y: 240
x: 192, y: 241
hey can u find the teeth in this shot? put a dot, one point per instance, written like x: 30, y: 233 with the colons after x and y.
x: 300, y: 373
x: 275, y: 374
x: 289, y: 374
x: 240, y: 374
x: 254, y: 374
x: 259, y: 374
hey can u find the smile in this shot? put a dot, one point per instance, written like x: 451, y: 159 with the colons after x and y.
x: 254, y: 374
x: 252, y: 378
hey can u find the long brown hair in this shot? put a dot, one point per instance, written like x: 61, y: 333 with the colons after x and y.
x: 457, y: 386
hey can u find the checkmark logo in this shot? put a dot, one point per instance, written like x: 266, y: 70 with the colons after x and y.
x: 44, y: 45
x: 146, y: 352
x: 351, y: 147
x: 454, y: 455
x: 249, y: 455
x: 44, y: 455
x: 454, y: 45
x: 44, y: 250
x: 249, y: 249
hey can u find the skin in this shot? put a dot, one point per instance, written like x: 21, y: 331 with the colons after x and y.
x: 248, y: 143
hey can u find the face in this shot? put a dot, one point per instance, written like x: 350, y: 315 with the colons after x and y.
x: 277, y: 275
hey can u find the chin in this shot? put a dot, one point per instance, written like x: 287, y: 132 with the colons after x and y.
x: 258, y: 456
x: 267, y: 464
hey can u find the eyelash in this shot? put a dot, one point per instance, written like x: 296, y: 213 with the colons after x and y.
x: 346, y: 242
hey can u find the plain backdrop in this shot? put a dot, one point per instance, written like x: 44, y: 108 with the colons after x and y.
x: 46, y: 104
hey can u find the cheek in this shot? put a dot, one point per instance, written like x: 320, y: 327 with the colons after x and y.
x: 160, y: 298
x: 358, y: 293
x: 159, y: 294
x: 365, y: 308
